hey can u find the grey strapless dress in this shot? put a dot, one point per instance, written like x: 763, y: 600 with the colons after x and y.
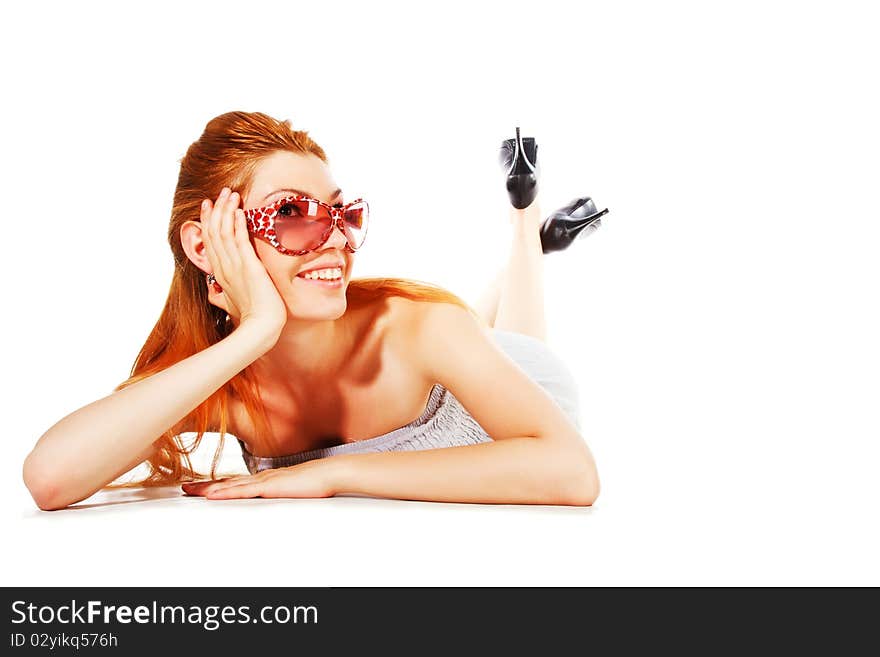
x: 445, y: 422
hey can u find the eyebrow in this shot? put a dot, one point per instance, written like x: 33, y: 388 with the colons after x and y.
x: 337, y: 193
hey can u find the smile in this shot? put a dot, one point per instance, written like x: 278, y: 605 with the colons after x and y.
x: 330, y: 277
x: 329, y: 274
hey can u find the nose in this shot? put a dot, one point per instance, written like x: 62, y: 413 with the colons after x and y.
x: 337, y: 238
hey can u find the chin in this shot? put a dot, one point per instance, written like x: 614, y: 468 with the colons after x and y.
x: 318, y: 309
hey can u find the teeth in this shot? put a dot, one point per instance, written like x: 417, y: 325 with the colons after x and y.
x: 331, y: 273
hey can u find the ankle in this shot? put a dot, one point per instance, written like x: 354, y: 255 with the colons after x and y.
x: 529, y: 217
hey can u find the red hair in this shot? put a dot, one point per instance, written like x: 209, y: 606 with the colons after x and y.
x: 226, y: 155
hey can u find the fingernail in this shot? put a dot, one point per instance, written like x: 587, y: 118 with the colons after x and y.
x: 204, y: 204
x: 224, y: 191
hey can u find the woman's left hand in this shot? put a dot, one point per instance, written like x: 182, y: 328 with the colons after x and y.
x: 309, y: 479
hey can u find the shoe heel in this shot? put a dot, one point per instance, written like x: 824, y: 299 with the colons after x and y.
x: 577, y: 219
x: 519, y: 158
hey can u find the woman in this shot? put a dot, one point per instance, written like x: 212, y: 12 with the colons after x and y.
x: 266, y: 336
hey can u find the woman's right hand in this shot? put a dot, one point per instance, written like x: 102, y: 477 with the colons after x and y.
x: 249, y: 294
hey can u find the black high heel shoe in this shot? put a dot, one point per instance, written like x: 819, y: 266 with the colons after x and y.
x: 519, y: 158
x: 578, y: 218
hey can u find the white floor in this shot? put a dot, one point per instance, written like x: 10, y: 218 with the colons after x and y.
x: 639, y: 533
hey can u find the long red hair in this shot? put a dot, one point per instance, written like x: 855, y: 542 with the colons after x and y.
x: 226, y: 155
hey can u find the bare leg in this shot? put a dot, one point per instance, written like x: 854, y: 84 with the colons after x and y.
x: 487, y: 305
x: 520, y: 304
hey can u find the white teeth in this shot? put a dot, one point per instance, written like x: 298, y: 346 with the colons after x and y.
x: 331, y: 273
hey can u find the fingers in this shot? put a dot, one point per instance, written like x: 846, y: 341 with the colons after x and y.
x: 228, y: 487
x: 227, y: 233
x: 219, y: 235
x: 250, y: 489
x: 242, y: 238
x: 207, y: 211
x: 202, y: 487
x: 222, y: 243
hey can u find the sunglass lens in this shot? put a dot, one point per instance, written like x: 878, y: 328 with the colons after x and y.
x: 356, y: 219
x: 301, y: 225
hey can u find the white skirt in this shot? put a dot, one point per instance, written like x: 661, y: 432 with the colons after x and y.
x: 544, y: 367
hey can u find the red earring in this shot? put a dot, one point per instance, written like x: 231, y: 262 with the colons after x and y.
x: 213, y: 281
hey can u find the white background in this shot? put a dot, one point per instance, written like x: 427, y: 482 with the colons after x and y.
x: 722, y: 324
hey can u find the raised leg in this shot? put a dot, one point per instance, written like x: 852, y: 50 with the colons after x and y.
x: 487, y: 304
x: 517, y: 294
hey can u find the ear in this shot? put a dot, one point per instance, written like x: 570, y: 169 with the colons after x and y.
x: 194, y: 246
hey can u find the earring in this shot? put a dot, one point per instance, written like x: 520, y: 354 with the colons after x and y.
x: 213, y: 281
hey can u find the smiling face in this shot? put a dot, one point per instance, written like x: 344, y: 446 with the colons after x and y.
x: 312, y: 295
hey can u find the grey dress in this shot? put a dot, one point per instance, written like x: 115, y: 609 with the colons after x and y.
x: 445, y: 422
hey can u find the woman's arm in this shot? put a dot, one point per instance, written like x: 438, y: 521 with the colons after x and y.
x: 537, y: 456
x: 516, y: 470
x: 94, y: 445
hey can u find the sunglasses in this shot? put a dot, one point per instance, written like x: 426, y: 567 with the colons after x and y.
x: 296, y: 225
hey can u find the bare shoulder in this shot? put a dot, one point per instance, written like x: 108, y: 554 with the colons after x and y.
x: 428, y: 330
x: 455, y: 348
x: 415, y: 319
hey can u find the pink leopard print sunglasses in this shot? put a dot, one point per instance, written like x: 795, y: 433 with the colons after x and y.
x: 296, y: 225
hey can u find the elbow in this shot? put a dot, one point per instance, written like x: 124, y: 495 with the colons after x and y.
x: 584, y: 492
x: 42, y: 484
x: 582, y: 485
